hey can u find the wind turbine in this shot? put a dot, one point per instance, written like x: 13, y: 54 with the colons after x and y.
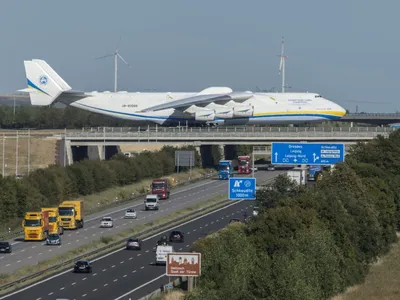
x: 282, y: 65
x: 116, y: 56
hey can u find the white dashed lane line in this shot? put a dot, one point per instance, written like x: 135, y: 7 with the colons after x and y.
x: 134, y: 271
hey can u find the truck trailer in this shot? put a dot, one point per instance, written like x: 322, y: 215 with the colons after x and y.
x: 161, y: 187
x: 54, y: 220
x: 244, y: 164
x: 71, y: 214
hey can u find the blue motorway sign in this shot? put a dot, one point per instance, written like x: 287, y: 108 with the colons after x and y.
x: 306, y: 153
x: 242, y: 188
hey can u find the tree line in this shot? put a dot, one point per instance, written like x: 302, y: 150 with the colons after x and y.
x: 309, y: 243
x: 52, y: 185
x: 39, y: 117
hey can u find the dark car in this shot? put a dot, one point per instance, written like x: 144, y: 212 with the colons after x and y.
x: 5, y: 247
x: 83, y: 266
x: 162, y: 241
x: 176, y: 237
x: 133, y: 244
x: 233, y: 221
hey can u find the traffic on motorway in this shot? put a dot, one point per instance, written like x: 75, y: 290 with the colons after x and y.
x: 130, y: 273
x: 30, y: 253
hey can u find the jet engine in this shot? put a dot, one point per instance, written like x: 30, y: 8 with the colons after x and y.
x: 204, y: 115
x: 223, y: 112
x: 243, y: 111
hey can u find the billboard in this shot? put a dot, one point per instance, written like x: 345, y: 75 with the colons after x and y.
x: 183, y: 264
x: 184, y: 158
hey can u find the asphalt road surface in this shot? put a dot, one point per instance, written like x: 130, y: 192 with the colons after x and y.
x: 128, y: 274
x: 31, y: 253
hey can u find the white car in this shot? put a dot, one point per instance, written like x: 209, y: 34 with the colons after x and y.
x: 130, y: 214
x: 106, y: 222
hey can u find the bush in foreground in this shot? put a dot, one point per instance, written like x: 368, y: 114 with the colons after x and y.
x: 309, y: 243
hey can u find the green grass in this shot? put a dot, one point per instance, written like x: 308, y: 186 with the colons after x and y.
x: 95, y: 203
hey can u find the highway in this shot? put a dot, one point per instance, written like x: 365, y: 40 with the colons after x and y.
x: 126, y: 274
x: 30, y: 253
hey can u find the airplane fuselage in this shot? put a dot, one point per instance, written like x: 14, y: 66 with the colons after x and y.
x: 269, y: 108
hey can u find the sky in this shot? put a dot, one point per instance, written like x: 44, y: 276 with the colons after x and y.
x: 346, y: 50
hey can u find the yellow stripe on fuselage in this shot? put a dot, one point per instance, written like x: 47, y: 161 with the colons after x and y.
x: 302, y: 112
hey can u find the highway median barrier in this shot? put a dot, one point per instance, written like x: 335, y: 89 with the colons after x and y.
x: 95, y: 249
x: 176, y: 183
x: 88, y: 253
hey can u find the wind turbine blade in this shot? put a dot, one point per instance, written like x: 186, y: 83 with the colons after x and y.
x: 123, y: 60
x: 281, y: 65
x: 104, y: 56
x: 120, y: 38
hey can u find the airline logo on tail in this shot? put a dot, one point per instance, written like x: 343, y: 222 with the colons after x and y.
x: 42, y: 80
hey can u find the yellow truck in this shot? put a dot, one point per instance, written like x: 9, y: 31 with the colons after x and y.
x: 35, y: 225
x: 54, y: 220
x: 71, y: 214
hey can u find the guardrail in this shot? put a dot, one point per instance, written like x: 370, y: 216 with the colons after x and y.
x: 248, y: 132
x: 113, y: 204
x: 116, y: 131
x: 142, y: 234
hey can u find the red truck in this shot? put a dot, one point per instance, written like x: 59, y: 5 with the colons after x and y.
x: 244, y: 164
x: 161, y: 187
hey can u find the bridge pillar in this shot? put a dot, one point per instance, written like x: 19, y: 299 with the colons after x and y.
x: 221, y: 149
x: 65, y: 153
x: 94, y: 152
x: 230, y: 152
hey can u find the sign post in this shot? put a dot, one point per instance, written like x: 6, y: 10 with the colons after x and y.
x: 307, y: 153
x: 242, y: 188
x: 184, y: 264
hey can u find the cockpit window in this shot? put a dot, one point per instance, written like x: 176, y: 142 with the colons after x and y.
x: 318, y: 96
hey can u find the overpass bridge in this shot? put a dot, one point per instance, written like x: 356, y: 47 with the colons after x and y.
x: 372, y: 118
x: 104, y: 143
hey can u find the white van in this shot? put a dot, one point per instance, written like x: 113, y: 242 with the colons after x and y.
x: 161, y: 254
x: 151, y: 202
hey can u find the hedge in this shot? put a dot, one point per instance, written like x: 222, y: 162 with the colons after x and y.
x: 50, y: 186
x: 309, y: 243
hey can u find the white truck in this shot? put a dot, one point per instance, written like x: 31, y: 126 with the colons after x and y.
x: 299, y: 175
x: 161, y: 254
x: 151, y: 202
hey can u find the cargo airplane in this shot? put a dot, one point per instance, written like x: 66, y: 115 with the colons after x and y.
x: 211, y: 106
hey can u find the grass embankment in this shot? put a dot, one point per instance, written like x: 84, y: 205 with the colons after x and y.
x: 95, y: 203
x: 103, y: 241
x: 382, y: 281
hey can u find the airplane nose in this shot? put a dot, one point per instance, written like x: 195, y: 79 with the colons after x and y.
x: 341, y: 112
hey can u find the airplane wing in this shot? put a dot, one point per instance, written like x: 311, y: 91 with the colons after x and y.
x: 202, y: 100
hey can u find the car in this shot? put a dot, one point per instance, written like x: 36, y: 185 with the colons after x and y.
x: 255, y: 210
x: 233, y: 221
x: 176, y: 236
x: 83, y: 266
x: 162, y: 241
x: 5, y: 247
x: 133, y: 244
x: 271, y: 168
x: 130, y: 214
x: 106, y: 222
x: 53, y: 239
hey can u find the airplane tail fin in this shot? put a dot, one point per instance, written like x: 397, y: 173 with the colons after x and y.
x: 44, y: 84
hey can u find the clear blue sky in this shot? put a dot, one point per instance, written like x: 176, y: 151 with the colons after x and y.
x: 347, y: 50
